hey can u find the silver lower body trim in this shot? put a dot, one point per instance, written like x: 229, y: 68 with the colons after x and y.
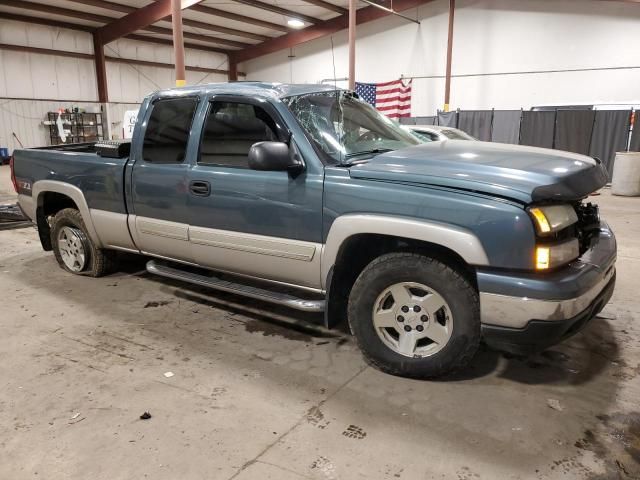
x: 112, y: 229
x: 517, y: 312
x: 28, y: 205
x: 237, y: 288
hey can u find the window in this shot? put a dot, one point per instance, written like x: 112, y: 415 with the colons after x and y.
x: 230, y: 131
x: 343, y: 126
x: 167, y: 133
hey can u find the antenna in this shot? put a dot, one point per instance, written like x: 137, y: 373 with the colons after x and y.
x: 333, y: 58
x: 338, y: 104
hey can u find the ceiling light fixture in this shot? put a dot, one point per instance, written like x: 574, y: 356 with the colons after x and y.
x: 295, y: 23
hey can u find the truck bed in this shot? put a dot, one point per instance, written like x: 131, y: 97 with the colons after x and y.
x: 100, y: 179
x: 87, y: 147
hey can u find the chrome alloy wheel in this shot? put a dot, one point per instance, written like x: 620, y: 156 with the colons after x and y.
x: 71, y: 244
x: 412, y: 319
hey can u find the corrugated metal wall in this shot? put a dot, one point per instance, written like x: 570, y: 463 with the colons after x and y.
x: 25, y: 118
x: 26, y: 79
x: 116, y: 115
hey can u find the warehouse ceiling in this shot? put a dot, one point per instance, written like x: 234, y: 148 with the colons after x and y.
x: 243, y: 29
x: 222, y: 24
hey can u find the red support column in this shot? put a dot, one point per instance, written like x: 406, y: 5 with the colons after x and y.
x: 352, y: 44
x: 447, y: 83
x: 101, y: 69
x: 178, y: 42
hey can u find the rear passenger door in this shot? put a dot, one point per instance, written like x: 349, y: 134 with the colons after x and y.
x: 257, y: 223
x: 159, y: 221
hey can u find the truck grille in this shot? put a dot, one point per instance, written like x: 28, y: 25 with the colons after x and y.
x: 588, y: 223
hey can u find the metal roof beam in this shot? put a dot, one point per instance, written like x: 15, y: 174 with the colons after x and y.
x: 282, y: 11
x: 239, y: 18
x: 141, y: 18
x: 319, y: 30
x: 117, y: 7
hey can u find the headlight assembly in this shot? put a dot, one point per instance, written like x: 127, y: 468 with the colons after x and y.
x: 550, y: 256
x: 550, y: 219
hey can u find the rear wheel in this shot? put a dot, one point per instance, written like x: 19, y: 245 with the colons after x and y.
x: 414, y: 316
x: 73, y: 248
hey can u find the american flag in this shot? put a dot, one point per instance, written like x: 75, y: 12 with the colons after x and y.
x: 391, y: 98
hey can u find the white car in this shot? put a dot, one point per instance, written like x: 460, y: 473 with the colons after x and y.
x: 436, y: 133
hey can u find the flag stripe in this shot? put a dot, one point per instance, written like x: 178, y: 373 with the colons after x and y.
x: 395, y: 107
x: 393, y: 90
x: 396, y: 99
x: 391, y: 98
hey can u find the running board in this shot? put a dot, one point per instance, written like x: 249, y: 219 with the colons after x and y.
x: 237, y: 288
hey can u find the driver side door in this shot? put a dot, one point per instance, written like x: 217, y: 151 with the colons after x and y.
x: 265, y: 224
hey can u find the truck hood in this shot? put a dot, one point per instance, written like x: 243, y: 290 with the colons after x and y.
x: 525, y: 174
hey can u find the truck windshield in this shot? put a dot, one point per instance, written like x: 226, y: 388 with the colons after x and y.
x: 346, y: 128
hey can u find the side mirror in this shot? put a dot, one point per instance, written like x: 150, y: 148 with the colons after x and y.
x: 273, y: 156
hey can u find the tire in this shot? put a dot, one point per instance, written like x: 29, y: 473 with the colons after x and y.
x: 395, y: 316
x: 93, y: 262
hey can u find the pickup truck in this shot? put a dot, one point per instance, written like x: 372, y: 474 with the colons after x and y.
x: 306, y: 196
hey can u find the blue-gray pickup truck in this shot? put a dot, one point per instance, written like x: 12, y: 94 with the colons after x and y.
x: 306, y: 196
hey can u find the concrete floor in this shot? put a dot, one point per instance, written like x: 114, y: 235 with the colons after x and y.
x: 261, y: 393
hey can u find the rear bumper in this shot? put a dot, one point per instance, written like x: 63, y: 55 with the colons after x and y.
x: 529, y: 312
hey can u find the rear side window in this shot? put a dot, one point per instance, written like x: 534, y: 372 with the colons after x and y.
x: 230, y: 131
x: 167, y: 133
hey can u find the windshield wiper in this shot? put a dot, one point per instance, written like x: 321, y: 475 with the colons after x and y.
x: 366, y: 152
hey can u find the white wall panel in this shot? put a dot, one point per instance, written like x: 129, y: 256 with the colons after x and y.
x: 35, y: 77
x: 116, y: 115
x: 29, y: 75
x: 87, y: 79
x: 25, y: 118
x: 3, y: 74
x: 13, y: 32
x: 44, y: 75
x: 490, y: 36
x: 17, y: 70
x: 131, y: 83
x: 68, y: 76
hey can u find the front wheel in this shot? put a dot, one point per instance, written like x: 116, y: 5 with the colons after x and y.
x: 414, y: 316
x: 74, y: 250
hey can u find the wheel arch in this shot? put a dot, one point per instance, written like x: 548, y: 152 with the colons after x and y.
x: 51, y: 196
x: 357, y: 239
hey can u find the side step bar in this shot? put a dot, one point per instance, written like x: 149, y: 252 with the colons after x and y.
x: 237, y: 288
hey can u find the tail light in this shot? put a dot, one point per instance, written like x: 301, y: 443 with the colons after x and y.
x: 13, y: 174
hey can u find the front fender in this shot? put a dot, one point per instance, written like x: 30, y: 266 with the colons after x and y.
x: 458, y: 239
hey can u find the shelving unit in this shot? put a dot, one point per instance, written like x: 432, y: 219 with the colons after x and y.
x: 83, y: 127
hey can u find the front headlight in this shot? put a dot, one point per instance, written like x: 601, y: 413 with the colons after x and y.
x: 555, y: 255
x: 549, y: 219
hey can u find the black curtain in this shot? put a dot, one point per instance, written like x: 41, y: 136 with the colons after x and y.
x: 476, y: 123
x: 506, y: 126
x: 448, y: 119
x: 610, y: 135
x: 573, y: 130
x: 407, y: 121
x: 635, y: 135
x: 537, y: 128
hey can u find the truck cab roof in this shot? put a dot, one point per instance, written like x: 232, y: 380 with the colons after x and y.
x: 250, y: 88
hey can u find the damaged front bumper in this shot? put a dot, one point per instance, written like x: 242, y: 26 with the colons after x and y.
x: 529, y: 312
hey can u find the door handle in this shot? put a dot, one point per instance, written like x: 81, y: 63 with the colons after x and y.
x: 200, y: 188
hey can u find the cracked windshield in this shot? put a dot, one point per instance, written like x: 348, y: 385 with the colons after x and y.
x: 345, y: 128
